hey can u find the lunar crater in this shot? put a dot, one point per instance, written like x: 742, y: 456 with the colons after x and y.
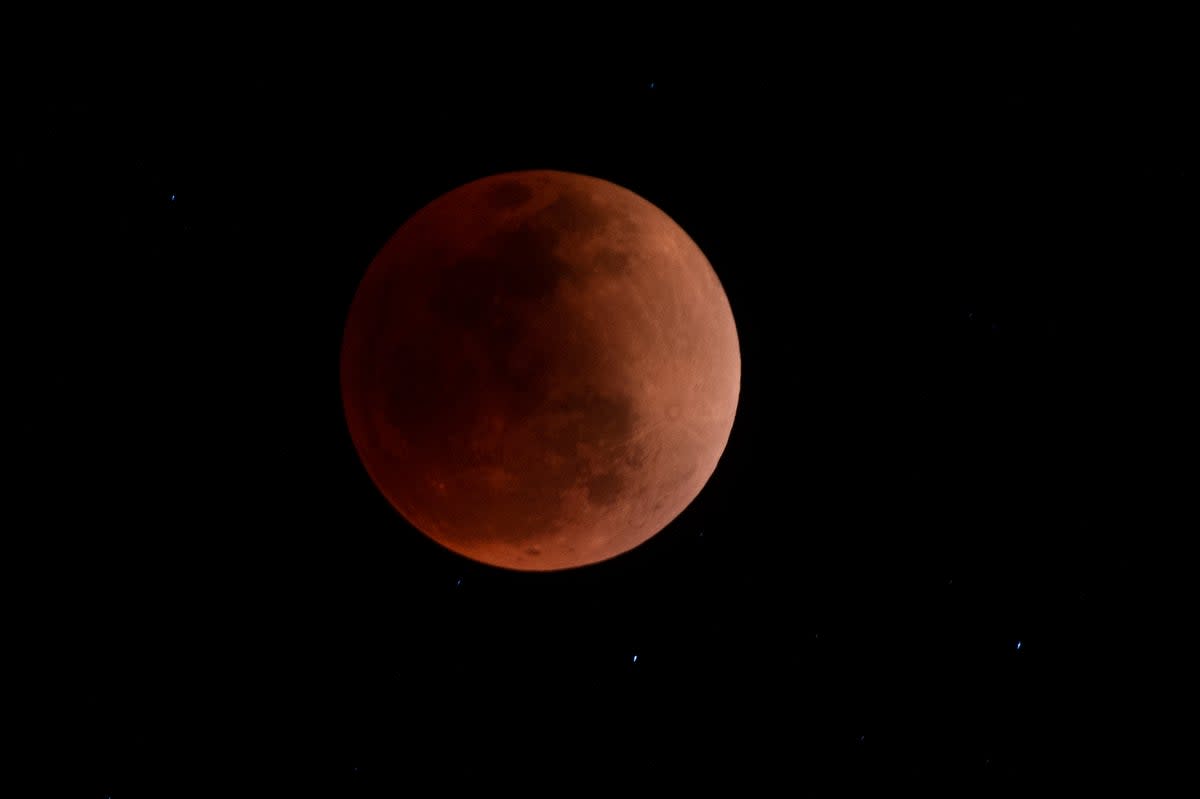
x: 509, y: 194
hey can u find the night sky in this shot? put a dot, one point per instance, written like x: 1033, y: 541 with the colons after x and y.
x: 923, y: 560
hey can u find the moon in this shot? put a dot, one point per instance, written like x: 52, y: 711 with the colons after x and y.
x: 540, y: 370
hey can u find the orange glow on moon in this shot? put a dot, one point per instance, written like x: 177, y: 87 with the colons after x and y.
x: 540, y: 370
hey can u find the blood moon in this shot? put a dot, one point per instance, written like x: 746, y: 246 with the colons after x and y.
x: 540, y: 370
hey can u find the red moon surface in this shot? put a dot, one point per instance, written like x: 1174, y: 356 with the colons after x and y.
x: 540, y: 370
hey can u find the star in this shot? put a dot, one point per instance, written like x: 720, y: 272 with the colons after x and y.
x: 635, y: 657
x: 172, y: 198
x: 1018, y: 646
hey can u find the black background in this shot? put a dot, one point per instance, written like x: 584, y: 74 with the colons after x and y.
x: 926, y: 556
